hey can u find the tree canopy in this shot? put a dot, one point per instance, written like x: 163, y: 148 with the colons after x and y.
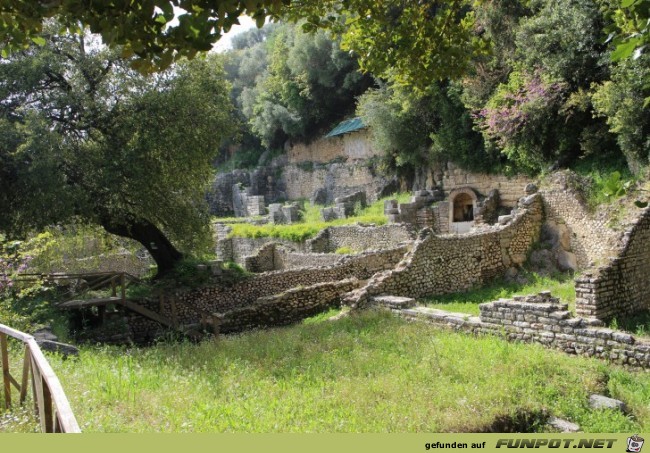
x: 409, y: 41
x: 85, y: 136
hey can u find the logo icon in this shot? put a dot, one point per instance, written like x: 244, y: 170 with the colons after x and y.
x: 634, y: 444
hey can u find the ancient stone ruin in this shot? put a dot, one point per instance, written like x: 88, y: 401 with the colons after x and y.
x: 460, y: 232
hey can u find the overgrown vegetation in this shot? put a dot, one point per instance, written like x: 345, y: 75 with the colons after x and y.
x: 312, y: 222
x: 366, y: 373
x: 561, y: 286
x: 608, y: 180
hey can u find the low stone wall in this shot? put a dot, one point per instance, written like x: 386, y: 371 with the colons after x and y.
x: 622, y: 286
x: 188, y: 306
x: 286, y: 308
x: 239, y: 249
x: 453, y: 263
x: 358, y: 238
x: 543, y: 319
x: 285, y: 259
x: 257, y: 254
x: 274, y: 257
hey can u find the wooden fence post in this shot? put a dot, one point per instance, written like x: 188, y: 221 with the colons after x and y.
x: 172, y: 301
x: 6, y: 377
x: 123, y: 284
x: 25, y: 380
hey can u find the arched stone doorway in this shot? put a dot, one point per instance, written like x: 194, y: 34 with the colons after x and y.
x: 462, y: 203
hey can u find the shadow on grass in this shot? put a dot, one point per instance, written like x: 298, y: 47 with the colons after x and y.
x: 637, y: 324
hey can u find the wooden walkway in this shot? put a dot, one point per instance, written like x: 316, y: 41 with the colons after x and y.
x: 118, y: 282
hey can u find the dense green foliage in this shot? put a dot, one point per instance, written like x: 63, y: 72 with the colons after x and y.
x: 366, y: 373
x: 545, y: 96
x: 536, y: 78
x: 143, y: 28
x: 85, y: 137
x: 291, y: 85
x: 409, y: 43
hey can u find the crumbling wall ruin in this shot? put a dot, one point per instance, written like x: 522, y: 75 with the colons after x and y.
x: 543, y: 319
x: 453, y: 263
x: 591, y: 240
x: 620, y: 287
x: 358, y: 238
x: 286, y: 308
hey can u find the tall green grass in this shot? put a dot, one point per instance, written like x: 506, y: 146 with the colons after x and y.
x: 366, y: 373
x: 312, y: 222
x: 561, y: 286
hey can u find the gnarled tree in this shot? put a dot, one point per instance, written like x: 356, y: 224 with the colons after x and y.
x: 85, y: 136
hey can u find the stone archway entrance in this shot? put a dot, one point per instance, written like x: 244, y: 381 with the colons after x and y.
x: 462, y: 203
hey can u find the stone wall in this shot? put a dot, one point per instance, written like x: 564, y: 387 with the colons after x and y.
x: 188, y: 306
x: 591, y: 238
x: 337, y: 179
x: 449, y: 177
x: 543, y: 319
x: 358, y: 238
x: 286, y: 308
x: 238, y: 249
x: 622, y: 286
x: 453, y: 263
x: 355, y: 146
x: 274, y: 257
x: 220, y: 298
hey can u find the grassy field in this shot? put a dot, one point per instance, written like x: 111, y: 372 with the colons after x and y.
x: 312, y: 223
x: 366, y: 373
x: 561, y: 286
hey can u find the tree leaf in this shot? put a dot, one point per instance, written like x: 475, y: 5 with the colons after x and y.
x: 624, y: 50
x: 38, y: 40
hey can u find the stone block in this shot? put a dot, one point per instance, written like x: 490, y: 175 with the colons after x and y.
x: 603, y: 402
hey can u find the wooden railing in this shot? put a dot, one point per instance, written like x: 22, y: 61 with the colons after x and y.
x: 50, y: 402
x: 90, y: 280
x: 118, y: 282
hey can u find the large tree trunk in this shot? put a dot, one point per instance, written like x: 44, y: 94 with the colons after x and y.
x: 149, y: 235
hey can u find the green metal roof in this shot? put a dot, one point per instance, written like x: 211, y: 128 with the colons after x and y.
x: 347, y: 126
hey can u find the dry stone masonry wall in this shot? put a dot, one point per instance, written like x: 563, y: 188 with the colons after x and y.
x: 286, y: 308
x: 187, y: 306
x: 622, y: 286
x: 591, y: 239
x: 355, y: 145
x: 543, y: 319
x: 452, y: 263
x: 358, y: 238
x: 274, y: 257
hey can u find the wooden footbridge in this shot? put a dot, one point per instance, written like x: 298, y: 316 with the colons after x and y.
x: 117, y: 283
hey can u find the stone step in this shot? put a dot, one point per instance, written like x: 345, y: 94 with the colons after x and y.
x: 442, y: 316
x: 393, y: 302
